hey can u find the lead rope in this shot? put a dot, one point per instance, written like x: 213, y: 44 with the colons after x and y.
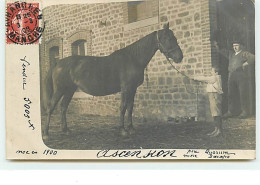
x: 187, y: 76
x: 197, y: 89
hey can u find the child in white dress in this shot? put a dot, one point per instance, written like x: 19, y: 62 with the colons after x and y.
x: 214, y: 90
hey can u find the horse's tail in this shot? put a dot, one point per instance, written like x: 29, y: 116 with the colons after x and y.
x: 48, y: 87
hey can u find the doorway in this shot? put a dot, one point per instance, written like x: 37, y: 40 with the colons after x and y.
x: 236, y: 21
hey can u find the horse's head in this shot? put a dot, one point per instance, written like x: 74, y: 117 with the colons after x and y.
x: 168, y: 45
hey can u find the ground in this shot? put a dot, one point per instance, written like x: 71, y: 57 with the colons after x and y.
x: 93, y: 132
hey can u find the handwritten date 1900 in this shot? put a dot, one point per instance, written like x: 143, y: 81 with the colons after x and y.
x: 50, y: 152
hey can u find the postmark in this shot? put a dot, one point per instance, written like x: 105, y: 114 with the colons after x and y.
x: 23, y: 23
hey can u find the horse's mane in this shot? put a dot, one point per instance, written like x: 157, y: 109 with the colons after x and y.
x: 138, y: 47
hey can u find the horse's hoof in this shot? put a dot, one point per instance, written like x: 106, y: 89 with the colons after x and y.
x: 123, y: 132
x: 131, y: 130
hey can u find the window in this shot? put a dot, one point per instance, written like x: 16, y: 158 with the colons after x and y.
x: 53, y: 55
x: 80, y: 43
x: 79, y: 47
x: 140, y: 10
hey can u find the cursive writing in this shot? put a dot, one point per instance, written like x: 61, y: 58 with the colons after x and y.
x: 27, y: 107
x: 191, y: 153
x: 24, y: 65
x: 26, y: 152
x: 218, y: 154
x: 136, y: 153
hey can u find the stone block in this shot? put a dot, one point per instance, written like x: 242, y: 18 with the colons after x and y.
x: 144, y: 103
x: 192, y: 60
x: 190, y: 49
x: 184, y: 1
x: 196, y: 17
x: 184, y: 96
x: 161, y: 80
x: 161, y: 96
x: 185, y: 27
x: 193, y: 96
x: 141, y: 96
x: 154, y: 96
x: 173, y: 90
x: 198, y: 71
x: 179, y: 34
x: 183, y: 14
x: 188, y: 19
x: 168, y: 96
x: 169, y: 81
x: 176, y: 96
x: 178, y: 21
x: 163, y: 19
x: 165, y: 90
x: 197, y: 32
x: 187, y: 34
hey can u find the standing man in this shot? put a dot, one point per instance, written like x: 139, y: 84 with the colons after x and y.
x: 238, y: 81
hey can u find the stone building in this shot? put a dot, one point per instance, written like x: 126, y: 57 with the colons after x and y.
x: 100, y: 29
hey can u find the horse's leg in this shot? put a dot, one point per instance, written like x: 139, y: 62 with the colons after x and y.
x: 64, y: 106
x: 122, y: 112
x: 50, y: 107
x: 130, y: 105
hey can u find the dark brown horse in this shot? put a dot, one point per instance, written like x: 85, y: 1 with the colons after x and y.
x: 122, y: 71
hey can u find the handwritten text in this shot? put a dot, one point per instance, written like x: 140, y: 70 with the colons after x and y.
x: 26, y: 152
x: 191, y: 154
x: 24, y: 65
x: 27, y: 107
x: 216, y: 154
x: 136, y: 154
x: 50, y: 152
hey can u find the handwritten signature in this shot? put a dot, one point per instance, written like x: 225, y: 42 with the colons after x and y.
x: 222, y: 154
x: 24, y: 65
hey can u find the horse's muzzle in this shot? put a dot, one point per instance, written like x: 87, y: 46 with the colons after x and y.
x: 177, y: 56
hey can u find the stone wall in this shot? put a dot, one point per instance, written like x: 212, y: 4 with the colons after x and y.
x: 164, y: 92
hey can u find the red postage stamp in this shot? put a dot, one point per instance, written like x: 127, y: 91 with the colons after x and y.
x: 23, y: 22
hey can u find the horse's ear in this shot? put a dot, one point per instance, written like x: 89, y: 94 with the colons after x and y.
x: 166, y: 26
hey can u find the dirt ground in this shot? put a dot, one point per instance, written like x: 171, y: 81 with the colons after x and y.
x: 92, y: 132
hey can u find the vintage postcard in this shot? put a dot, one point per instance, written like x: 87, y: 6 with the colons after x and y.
x: 154, y: 79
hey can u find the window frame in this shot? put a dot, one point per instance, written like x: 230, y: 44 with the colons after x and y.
x: 140, y: 23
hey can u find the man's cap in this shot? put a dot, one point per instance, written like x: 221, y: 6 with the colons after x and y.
x: 236, y: 42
